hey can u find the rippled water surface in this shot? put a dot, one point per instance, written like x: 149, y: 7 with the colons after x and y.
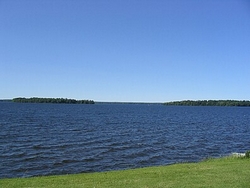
x: 45, y: 139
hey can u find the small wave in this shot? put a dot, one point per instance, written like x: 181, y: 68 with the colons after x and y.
x: 14, y: 154
x: 70, y: 161
x: 143, y: 161
x: 239, y: 154
x: 155, y: 157
x: 31, y: 168
x: 37, y: 147
x: 65, y: 161
x: 90, y: 159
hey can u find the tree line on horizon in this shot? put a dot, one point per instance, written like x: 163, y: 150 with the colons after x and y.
x: 52, y: 100
x: 209, y: 103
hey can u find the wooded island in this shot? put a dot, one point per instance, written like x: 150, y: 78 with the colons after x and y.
x: 209, y: 103
x: 52, y: 100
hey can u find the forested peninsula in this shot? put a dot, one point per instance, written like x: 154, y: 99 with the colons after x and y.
x: 209, y: 103
x: 52, y: 100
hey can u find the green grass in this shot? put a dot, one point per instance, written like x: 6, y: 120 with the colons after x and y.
x: 223, y: 172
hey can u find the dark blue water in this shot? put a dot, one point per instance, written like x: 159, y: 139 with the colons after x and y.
x: 46, y: 139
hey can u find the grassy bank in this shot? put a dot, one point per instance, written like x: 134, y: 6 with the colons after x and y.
x: 223, y: 172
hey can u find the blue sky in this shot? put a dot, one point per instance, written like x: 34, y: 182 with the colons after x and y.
x: 113, y: 50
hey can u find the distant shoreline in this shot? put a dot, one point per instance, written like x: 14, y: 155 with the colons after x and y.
x: 5, y: 100
x: 51, y: 100
x: 147, y: 103
x: 240, y: 103
x: 100, y: 102
x: 237, y: 103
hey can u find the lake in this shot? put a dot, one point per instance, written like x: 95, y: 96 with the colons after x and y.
x: 50, y: 139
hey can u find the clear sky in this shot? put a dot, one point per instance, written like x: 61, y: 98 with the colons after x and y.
x: 125, y: 50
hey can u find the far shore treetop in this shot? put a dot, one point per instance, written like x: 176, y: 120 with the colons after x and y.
x: 52, y: 100
x: 209, y: 103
